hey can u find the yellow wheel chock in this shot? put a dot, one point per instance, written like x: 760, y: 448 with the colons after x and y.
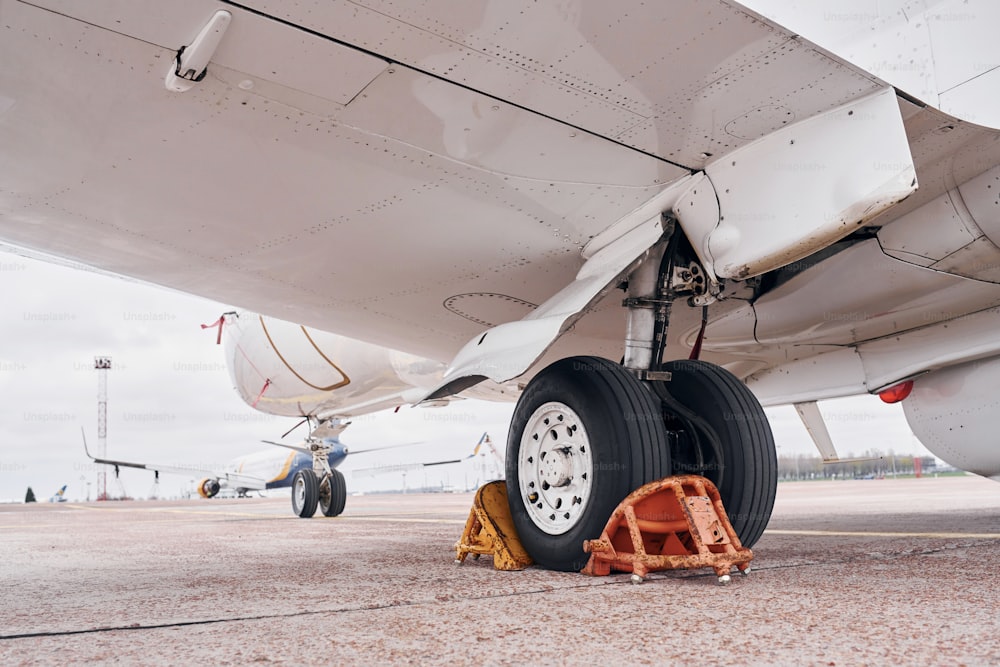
x: 674, y: 523
x: 490, y: 530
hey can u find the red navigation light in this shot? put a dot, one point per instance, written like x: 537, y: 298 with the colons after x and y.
x: 896, y: 392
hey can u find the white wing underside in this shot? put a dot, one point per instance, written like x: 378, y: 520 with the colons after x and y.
x: 405, y: 176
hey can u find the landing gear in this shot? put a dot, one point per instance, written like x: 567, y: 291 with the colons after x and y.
x: 584, y: 434
x: 329, y: 494
x: 305, y: 493
x: 332, y: 494
x: 320, y: 485
x: 722, y: 433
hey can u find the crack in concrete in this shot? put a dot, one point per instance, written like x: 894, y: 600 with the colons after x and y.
x: 592, y: 583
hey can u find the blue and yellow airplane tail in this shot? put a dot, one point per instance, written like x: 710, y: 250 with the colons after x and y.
x: 479, y: 445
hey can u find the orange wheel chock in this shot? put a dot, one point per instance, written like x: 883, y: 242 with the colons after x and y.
x: 673, y: 524
x: 490, y: 530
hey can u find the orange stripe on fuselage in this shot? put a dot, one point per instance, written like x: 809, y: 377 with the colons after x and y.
x: 284, y: 470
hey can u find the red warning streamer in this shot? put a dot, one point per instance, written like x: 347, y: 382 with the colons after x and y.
x: 267, y: 383
x: 217, y: 324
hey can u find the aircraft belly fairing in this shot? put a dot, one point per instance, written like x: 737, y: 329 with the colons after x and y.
x: 963, y: 394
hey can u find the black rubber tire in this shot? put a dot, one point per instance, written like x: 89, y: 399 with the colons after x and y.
x: 628, y: 447
x: 747, y: 475
x: 309, y: 483
x: 333, y: 494
x: 341, y: 493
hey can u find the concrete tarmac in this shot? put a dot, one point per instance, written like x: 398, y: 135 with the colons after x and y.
x: 876, y: 572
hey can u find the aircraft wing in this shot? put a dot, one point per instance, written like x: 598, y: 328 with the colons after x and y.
x: 400, y: 467
x: 235, y: 480
x: 471, y: 182
x: 464, y: 166
x: 404, y: 467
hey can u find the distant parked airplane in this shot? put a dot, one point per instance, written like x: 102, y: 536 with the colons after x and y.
x: 59, y: 496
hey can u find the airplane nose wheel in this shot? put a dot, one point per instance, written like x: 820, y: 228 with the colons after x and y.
x: 305, y: 493
x: 332, y: 494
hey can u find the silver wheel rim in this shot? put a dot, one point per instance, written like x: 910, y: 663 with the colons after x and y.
x: 555, y: 468
x: 300, y: 492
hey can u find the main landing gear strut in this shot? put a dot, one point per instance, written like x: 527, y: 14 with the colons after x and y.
x: 587, y: 431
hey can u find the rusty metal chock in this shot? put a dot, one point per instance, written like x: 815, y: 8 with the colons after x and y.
x: 674, y: 523
x: 490, y: 530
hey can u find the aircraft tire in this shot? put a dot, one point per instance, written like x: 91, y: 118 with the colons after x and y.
x: 342, y: 493
x: 742, y: 463
x: 333, y: 494
x: 305, y: 493
x: 584, y: 434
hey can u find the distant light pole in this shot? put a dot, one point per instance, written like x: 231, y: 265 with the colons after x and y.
x: 102, y: 365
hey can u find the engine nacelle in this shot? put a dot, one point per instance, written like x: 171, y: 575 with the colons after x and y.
x: 208, y: 487
x: 953, y: 413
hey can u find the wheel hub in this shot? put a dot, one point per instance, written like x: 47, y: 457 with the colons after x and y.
x: 325, y: 491
x: 555, y: 468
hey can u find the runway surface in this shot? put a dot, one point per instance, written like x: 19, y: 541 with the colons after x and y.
x: 875, y: 572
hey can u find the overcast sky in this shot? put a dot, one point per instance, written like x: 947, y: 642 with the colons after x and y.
x: 170, y: 400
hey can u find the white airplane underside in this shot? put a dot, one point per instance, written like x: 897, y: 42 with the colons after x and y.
x: 523, y: 191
